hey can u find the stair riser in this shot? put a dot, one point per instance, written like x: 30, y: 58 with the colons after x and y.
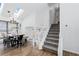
x: 53, y: 33
x: 53, y: 45
x: 50, y: 50
x: 55, y: 27
x: 52, y: 36
x: 53, y: 30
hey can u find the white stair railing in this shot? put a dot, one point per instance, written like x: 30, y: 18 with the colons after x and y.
x: 38, y: 36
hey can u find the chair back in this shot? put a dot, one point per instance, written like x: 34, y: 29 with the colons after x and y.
x: 20, y: 37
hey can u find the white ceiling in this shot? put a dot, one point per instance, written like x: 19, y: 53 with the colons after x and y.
x: 27, y: 7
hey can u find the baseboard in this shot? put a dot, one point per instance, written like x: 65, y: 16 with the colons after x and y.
x: 69, y: 53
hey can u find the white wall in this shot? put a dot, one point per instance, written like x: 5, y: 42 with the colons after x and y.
x: 29, y: 21
x: 52, y: 15
x: 42, y: 18
x: 69, y: 15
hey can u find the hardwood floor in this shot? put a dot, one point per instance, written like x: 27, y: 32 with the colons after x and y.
x: 26, y: 50
x: 69, y: 53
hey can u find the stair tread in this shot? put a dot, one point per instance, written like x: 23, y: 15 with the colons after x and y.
x: 56, y: 35
x: 51, y: 47
x: 54, y: 29
x: 52, y: 38
x: 55, y: 26
x: 53, y: 32
x: 51, y: 42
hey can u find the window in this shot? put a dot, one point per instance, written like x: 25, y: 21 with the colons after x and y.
x: 2, y: 26
x: 3, y: 29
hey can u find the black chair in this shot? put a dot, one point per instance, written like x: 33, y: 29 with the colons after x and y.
x: 6, y: 41
x: 19, y: 40
x: 12, y: 41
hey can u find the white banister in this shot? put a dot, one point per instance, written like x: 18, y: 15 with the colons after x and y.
x: 44, y: 33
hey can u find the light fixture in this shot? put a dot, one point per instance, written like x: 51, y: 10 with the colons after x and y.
x: 11, y: 17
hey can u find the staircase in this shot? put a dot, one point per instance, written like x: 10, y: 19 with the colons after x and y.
x: 51, y: 42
